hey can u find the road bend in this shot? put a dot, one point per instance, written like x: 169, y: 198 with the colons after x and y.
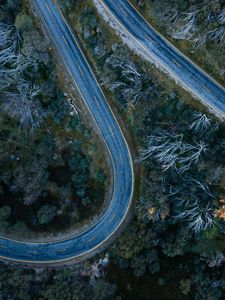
x: 165, y: 55
x: 123, y: 177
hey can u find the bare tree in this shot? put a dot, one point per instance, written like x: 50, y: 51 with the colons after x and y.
x: 203, y: 187
x: 116, y: 84
x: 191, y: 155
x: 8, y: 44
x: 184, y: 27
x: 182, y: 24
x: 23, y: 106
x: 18, y: 96
x: 193, y: 205
x: 100, y: 50
x: 131, y: 84
x: 171, y: 151
x: 200, y: 40
x: 217, y: 35
x: 6, y: 32
x: 7, y: 54
x: 129, y: 71
x: 170, y: 16
x: 198, y: 216
x: 221, y: 17
x: 12, y: 62
x: 115, y: 61
x: 18, y: 64
x: 200, y: 123
x: 132, y: 93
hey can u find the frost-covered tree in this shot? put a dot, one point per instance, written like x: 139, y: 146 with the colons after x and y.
x: 100, y: 50
x: 131, y: 84
x: 194, y: 206
x: 184, y: 26
x: 200, y: 23
x: 24, y: 106
x: 170, y: 151
x: 19, y: 96
x: 198, y: 217
x: 200, y: 123
x: 218, y: 34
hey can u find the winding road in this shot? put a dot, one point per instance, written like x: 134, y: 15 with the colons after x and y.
x: 165, y: 55
x: 123, y: 176
x: 170, y: 59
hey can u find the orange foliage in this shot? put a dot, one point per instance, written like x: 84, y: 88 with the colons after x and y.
x: 220, y: 213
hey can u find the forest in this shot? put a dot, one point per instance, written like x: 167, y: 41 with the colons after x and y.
x: 174, y: 248
x: 50, y: 178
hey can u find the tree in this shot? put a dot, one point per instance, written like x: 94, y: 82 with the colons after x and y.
x: 205, y: 287
x: 147, y: 259
x: 23, y: 106
x: 100, y: 50
x: 187, y: 25
x: 31, y: 180
x: 103, y: 290
x: 200, y: 123
x: 175, y: 243
x: 183, y: 25
x: 36, y: 47
x: 170, y: 151
x: 13, y: 6
x: 5, y: 212
x: 18, y: 95
x: 129, y: 244
x: 23, y: 22
x: 185, y: 286
x: 199, y: 216
x: 131, y: 84
x: 46, y: 214
x: 19, y: 228
x: 214, y: 259
x: 67, y: 4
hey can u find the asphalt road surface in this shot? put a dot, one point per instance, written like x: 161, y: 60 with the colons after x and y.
x: 123, y: 177
x: 166, y: 55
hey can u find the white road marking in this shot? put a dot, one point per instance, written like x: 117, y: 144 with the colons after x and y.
x: 149, y: 38
x: 176, y: 62
x: 96, y: 100
x: 80, y: 70
x: 65, y: 40
x: 48, y: 8
x: 110, y: 129
x: 92, y: 239
x: 124, y: 12
x: 113, y: 217
x: 61, y: 250
x: 207, y: 89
